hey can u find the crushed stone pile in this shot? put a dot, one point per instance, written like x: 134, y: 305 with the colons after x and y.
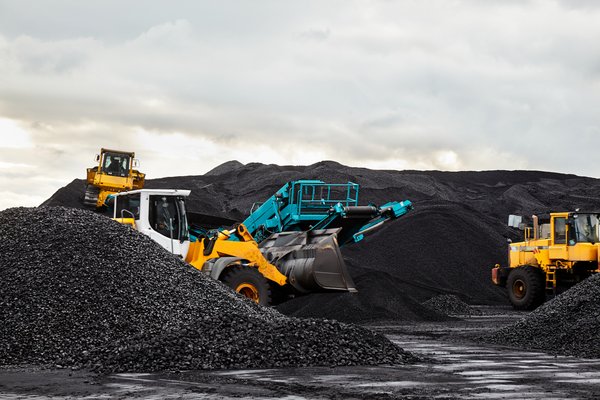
x: 452, y: 305
x: 568, y: 324
x: 79, y: 290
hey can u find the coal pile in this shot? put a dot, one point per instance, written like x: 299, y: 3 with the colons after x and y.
x: 381, y: 298
x: 452, y: 305
x: 79, y: 290
x: 568, y: 324
x: 447, y: 245
x: 437, y: 249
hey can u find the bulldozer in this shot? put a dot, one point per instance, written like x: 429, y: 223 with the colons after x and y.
x: 288, y: 246
x: 559, y: 250
x: 114, y: 173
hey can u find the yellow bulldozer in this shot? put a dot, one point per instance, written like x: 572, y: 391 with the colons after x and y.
x: 558, y: 251
x: 114, y: 173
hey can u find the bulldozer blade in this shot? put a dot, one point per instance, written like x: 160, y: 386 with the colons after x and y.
x: 311, y: 260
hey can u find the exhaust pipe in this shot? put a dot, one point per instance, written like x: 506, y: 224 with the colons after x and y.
x: 311, y: 260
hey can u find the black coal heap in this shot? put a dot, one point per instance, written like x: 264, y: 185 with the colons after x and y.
x: 568, y: 324
x: 80, y: 290
x: 447, y: 245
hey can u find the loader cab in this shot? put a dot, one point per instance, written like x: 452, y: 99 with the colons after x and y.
x: 574, y: 228
x: 575, y: 236
x: 159, y: 214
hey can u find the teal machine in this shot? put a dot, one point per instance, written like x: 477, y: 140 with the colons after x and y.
x: 302, y: 226
x: 310, y: 205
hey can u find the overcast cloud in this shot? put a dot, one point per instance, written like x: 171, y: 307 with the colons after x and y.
x: 187, y: 85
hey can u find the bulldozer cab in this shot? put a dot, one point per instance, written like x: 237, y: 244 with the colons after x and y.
x: 115, y: 163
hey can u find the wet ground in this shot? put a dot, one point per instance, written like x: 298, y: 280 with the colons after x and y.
x: 453, y: 367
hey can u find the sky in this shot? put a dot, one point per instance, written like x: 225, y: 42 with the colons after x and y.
x: 425, y: 84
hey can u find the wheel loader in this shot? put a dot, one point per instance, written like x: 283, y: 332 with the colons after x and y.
x: 113, y: 174
x: 299, y: 228
x: 558, y: 251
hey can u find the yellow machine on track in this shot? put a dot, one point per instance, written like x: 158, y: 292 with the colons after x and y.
x: 113, y: 174
x: 559, y: 250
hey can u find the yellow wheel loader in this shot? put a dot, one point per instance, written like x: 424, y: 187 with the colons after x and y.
x: 113, y: 174
x: 302, y: 260
x: 558, y: 251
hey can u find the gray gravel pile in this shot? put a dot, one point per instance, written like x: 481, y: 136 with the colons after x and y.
x: 569, y: 324
x: 452, y: 305
x: 79, y: 290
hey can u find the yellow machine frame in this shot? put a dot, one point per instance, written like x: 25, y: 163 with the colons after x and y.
x: 246, y: 248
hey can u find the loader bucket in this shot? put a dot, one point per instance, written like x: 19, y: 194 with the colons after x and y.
x: 311, y: 260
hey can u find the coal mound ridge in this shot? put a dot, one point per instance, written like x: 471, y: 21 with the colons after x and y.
x: 381, y: 298
x: 452, y: 305
x: 80, y: 290
x: 447, y: 245
x: 437, y: 249
x: 568, y: 324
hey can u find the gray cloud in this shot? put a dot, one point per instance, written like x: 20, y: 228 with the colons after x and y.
x: 433, y: 84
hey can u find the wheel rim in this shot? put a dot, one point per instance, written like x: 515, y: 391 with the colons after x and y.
x: 248, y: 290
x: 519, y: 288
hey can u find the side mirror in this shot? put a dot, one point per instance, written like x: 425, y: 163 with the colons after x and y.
x: 97, y: 159
x: 136, y: 163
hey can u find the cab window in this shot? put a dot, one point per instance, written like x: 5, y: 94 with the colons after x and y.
x: 560, y: 231
x: 164, y: 216
x: 116, y: 164
x: 128, y: 206
x: 586, y: 226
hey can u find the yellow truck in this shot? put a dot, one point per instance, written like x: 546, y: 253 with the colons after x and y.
x: 558, y: 251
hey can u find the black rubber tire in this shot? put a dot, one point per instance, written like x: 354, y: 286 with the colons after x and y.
x: 242, y: 275
x: 526, y: 287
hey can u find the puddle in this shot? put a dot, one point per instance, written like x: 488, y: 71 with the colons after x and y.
x: 595, y: 381
x: 393, y: 384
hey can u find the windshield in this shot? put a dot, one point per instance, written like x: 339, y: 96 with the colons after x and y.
x: 586, y: 228
x: 167, y: 216
x: 116, y: 164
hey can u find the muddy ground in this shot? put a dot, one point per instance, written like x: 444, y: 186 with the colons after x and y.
x: 454, y: 365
